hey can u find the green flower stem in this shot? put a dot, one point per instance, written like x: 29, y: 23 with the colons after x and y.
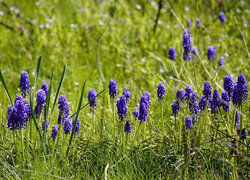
x: 162, y: 120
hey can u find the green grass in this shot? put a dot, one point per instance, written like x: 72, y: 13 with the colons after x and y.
x: 123, y: 47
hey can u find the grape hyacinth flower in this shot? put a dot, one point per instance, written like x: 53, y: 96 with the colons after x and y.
x: 194, y: 118
x: 45, y: 88
x: 225, y: 100
x: 126, y: 93
x: 195, y: 51
x: 180, y: 95
x: 189, y: 23
x: 197, y: 22
x: 240, y: 91
x: 112, y: 89
x: 202, y: 103
x: 92, y: 99
x: 229, y: 85
x: 161, y: 91
x: 221, y: 61
x: 172, y: 53
x: 195, y: 107
x: 67, y: 126
x: 136, y: 113
x: 189, y: 123
x: 19, y: 115
x: 63, y: 108
x: 175, y: 107
x: 222, y: 17
x: 211, y: 51
x: 43, y: 125
x: 78, y: 124
x: 237, y: 119
x: 54, y: 132
x: 144, y: 105
x: 207, y: 91
x: 122, y: 107
x: 147, y: 98
x: 25, y: 84
x: 187, y: 45
x: 238, y: 132
x: 243, y: 134
x: 40, y: 99
x: 127, y: 127
x: 10, y: 109
x: 189, y: 93
x: 216, y: 102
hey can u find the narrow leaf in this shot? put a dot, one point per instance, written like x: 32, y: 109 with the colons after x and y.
x: 76, y: 117
x: 37, y: 73
x: 58, y: 90
x: 5, y: 88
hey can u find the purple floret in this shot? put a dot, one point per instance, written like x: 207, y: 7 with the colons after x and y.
x: 25, y: 84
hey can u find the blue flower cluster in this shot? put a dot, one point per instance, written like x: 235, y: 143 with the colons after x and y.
x: 19, y: 115
x: 92, y: 99
x: 122, y: 107
x: 25, y: 84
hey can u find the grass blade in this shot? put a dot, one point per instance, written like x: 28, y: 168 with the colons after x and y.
x: 58, y: 90
x: 88, y: 102
x: 37, y: 73
x: 5, y: 88
x: 76, y: 117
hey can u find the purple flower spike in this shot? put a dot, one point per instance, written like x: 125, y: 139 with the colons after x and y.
x: 126, y: 93
x: 67, y: 126
x: 237, y: 119
x: 180, y: 95
x: 54, y: 132
x: 45, y: 87
x: 40, y: 99
x: 187, y: 45
x: 243, y: 134
x: 112, y: 89
x: 216, y: 102
x: 127, y: 127
x: 161, y: 91
x: 229, y: 85
x: 92, y: 99
x: 222, y: 17
x: 144, y: 105
x: 25, y: 84
x: 172, y: 53
x: 189, y: 93
x: 63, y: 108
x: 240, y: 91
x: 225, y: 100
x: 136, y: 113
x: 189, y: 123
x: 221, y: 61
x: 175, y: 107
x: 211, y: 51
x: 207, y: 91
x: 19, y: 115
x: 78, y: 124
x: 122, y: 107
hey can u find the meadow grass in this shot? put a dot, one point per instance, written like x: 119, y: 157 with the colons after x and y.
x: 95, y: 41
